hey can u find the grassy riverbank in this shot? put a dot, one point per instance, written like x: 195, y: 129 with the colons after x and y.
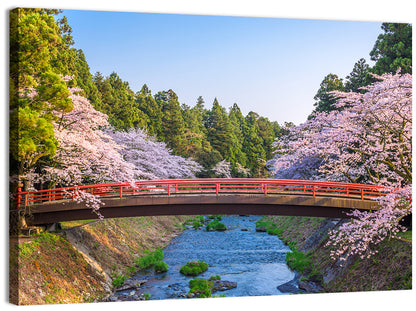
x: 389, y: 269
x: 80, y: 263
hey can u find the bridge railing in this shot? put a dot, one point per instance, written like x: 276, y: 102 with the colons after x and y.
x: 204, y: 186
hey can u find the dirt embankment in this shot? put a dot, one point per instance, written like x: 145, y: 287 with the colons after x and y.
x: 389, y: 269
x: 78, y: 264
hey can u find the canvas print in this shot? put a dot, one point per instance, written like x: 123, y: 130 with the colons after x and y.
x: 173, y: 156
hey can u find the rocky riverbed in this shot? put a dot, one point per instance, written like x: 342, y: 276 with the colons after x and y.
x: 249, y: 263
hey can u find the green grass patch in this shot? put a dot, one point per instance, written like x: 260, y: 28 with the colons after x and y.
x: 201, y: 288
x: 216, y: 225
x: 270, y: 227
x: 407, y: 235
x: 161, y: 267
x: 118, y: 280
x: 298, y: 261
x: 217, y: 217
x: 193, y: 268
x: 196, y: 224
x: 149, y: 259
x: 75, y: 223
x: 214, y: 278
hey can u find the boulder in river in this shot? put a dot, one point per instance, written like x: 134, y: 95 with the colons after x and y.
x: 220, y: 285
x: 130, y: 284
x: 310, y: 287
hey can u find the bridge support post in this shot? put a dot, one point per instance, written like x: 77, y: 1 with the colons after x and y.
x: 19, y: 197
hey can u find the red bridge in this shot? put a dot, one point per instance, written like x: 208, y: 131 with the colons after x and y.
x: 201, y: 197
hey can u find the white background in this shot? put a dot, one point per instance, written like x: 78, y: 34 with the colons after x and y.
x: 357, y: 10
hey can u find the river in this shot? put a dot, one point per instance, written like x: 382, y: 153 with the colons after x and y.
x: 255, y: 260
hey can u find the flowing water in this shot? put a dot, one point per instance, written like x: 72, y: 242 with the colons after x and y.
x: 255, y: 260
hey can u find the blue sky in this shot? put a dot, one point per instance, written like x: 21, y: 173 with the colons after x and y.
x: 268, y: 65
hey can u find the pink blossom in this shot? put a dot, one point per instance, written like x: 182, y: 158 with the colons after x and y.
x: 368, y: 141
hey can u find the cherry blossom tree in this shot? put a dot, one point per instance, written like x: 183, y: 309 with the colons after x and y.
x: 150, y: 158
x: 368, y: 139
x: 85, y: 153
x: 222, y: 169
x: 245, y: 172
x: 89, y: 151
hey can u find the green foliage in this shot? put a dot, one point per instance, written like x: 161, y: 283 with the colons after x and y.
x: 161, y: 267
x: 407, y: 235
x: 146, y: 296
x: 193, y: 268
x: 201, y: 287
x: 173, y: 131
x: 216, y: 225
x: 118, y: 280
x: 149, y: 259
x: 196, y: 224
x: 326, y: 102
x: 217, y: 217
x: 298, y: 261
x: 393, y: 49
x: 214, y: 278
x: 118, y: 102
x: 270, y: 227
x: 359, y: 77
x: 42, y: 54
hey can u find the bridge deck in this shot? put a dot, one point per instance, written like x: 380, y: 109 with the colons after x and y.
x: 202, y: 196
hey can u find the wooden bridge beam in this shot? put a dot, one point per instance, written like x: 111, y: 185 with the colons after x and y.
x: 238, y: 204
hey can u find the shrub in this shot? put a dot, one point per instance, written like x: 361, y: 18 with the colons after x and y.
x: 196, y: 224
x: 217, y: 217
x: 201, y: 287
x: 161, y: 267
x: 194, y: 268
x: 118, y: 280
x: 150, y: 259
x: 216, y: 225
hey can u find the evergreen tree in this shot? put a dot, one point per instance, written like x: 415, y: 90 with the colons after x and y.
x: 118, y: 102
x: 84, y: 78
x: 358, y: 77
x: 173, y: 125
x: 253, y: 148
x: 325, y: 102
x: 239, y: 125
x: 39, y: 55
x: 220, y: 132
x: 266, y: 133
x: 393, y: 49
x: 152, y: 110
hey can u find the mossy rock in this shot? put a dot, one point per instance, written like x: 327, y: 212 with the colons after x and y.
x: 200, y: 288
x: 193, y: 268
x: 216, y: 225
x: 160, y: 267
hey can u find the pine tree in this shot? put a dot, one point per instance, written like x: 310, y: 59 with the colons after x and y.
x: 173, y: 125
x: 220, y: 132
x: 393, y: 49
x: 358, y: 77
x: 149, y: 106
x: 326, y: 102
